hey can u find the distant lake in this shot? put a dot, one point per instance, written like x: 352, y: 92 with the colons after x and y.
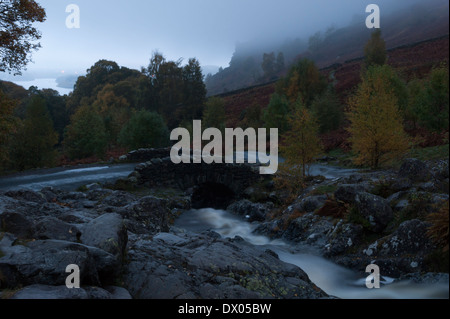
x: 44, y: 84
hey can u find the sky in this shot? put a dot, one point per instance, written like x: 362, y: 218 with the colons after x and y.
x: 129, y: 31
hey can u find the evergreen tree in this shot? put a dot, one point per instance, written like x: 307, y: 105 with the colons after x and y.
x: 194, y: 91
x: 328, y: 111
x: 276, y: 114
x: 33, y: 144
x: 435, y: 99
x: 375, y: 50
x: 8, y: 126
x: 144, y: 130
x: 304, y: 79
x: 415, y: 102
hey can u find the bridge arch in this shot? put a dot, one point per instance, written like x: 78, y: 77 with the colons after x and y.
x: 231, y: 179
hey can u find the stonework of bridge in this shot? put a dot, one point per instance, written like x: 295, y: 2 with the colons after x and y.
x: 163, y: 172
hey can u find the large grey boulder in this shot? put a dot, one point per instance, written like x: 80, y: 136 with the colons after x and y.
x: 310, y: 228
x: 309, y: 204
x: 251, y: 211
x: 415, y: 170
x: 347, y: 192
x: 342, y: 238
x: 27, y: 196
x: 53, y: 228
x: 107, y: 232
x: 45, y: 262
x: 375, y: 210
x: 205, y: 266
x: 402, y: 252
x: 409, y: 238
x: 17, y: 224
x: 45, y: 292
x: 149, y: 215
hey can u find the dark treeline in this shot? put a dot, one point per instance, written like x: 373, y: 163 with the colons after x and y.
x: 111, y: 107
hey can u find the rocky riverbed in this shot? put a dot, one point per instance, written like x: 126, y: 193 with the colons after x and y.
x: 126, y: 247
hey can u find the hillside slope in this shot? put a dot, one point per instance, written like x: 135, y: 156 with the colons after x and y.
x: 415, y: 24
x: 413, y: 60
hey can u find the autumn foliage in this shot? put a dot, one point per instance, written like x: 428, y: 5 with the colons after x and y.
x: 376, y: 122
x: 18, y: 34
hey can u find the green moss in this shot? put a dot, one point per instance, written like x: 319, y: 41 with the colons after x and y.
x: 382, y: 188
x: 355, y: 217
x: 82, y: 189
x: 430, y: 153
x: 325, y: 189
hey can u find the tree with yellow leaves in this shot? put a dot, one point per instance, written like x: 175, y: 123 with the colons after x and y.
x: 300, y: 146
x: 302, y: 143
x: 376, y: 123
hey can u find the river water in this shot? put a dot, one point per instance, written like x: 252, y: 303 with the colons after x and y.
x: 332, y: 278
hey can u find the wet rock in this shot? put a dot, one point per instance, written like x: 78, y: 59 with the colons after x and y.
x: 149, y: 215
x: 401, y: 184
x: 50, y: 194
x: 118, y: 293
x: 107, y: 232
x: 207, y: 266
x: 118, y: 199
x: 342, y: 238
x: 428, y: 278
x: 309, y: 204
x: 45, y: 262
x: 17, y: 224
x: 347, y: 193
x: 310, y: 228
x: 415, y: 170
x: 251, y: 211
x: 28, y: 196
x: 97, y: 195
x: 375, y: 210
x: 409, y: 238
x: 270, y: 229
x: 52, y: 228
x: 402, y: 252
x: 78, y: 216
x: 45, y: 292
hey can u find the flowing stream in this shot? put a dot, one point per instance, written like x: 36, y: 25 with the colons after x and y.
x: 332, y: 278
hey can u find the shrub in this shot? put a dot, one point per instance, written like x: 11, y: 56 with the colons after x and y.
x: 439, y: 230
x: 144, y: 130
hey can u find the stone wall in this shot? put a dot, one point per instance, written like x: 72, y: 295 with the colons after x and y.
x: 162, y: 172
x: 147, y: 154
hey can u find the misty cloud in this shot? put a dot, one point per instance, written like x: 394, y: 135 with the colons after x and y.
x: 128, y: 31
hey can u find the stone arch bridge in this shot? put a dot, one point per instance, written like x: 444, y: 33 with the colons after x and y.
x: 223, y: 181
